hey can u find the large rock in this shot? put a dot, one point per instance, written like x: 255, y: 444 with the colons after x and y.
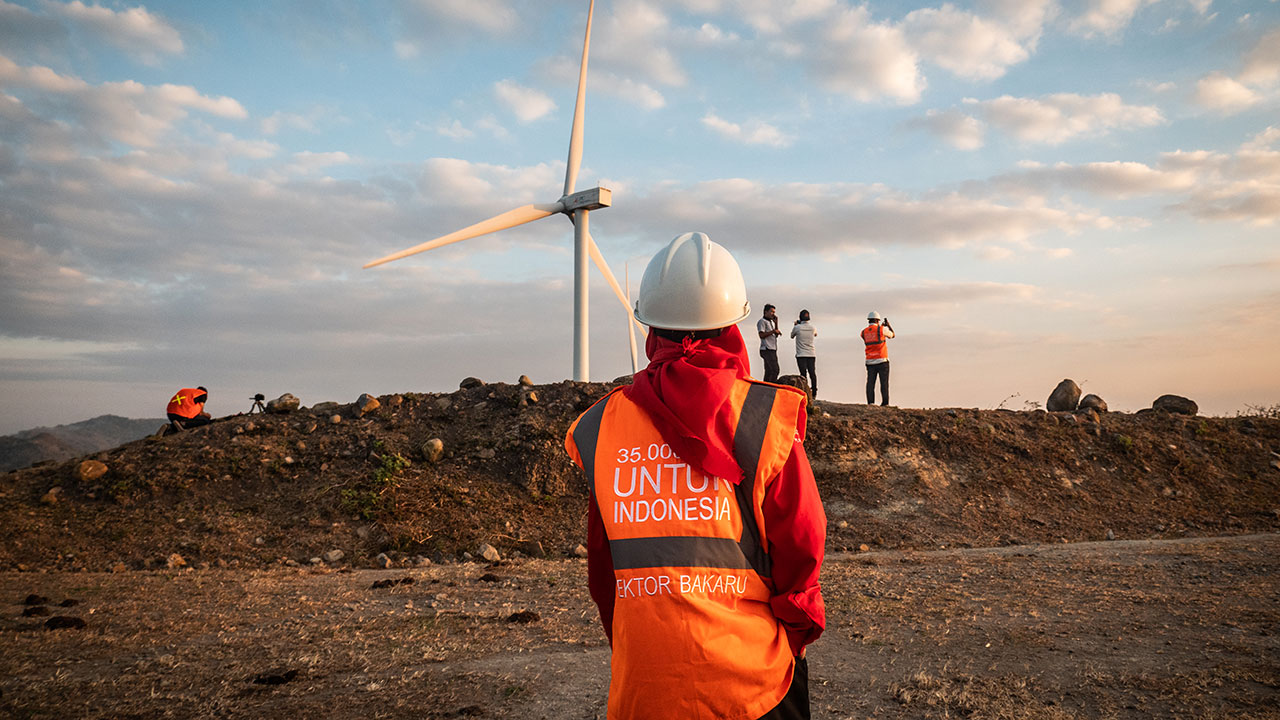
x: 1175, y: 404
x: 367, y: 403
x: 433, y: 450
x: 489, y: 552
x: 327, y: 407
x: 470, y: 382
x: 1093, y: 402
x: 1065, y: 397
x: 90, y: 470
x: 283, y: 404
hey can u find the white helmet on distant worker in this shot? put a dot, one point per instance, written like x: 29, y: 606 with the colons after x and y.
x: 692, y: 284
x: 873, y: 315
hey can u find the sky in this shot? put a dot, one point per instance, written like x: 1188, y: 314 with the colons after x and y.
x: 1030, y: 190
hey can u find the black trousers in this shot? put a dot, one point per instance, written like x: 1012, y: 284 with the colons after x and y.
x: 880, y: 370
x: 190, y: 422
x: 795, y: 705
x: 770, y: 358
x: 808, y: 368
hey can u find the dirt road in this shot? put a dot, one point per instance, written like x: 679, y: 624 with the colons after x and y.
x: 1140, y: 629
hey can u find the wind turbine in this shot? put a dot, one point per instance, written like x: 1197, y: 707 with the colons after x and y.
x: 575, y: 205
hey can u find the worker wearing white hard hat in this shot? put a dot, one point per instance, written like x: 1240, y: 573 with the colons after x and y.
x: 705, y: 531
x: 875, y: 336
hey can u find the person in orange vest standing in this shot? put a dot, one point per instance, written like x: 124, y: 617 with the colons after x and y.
x: 186, y: 409
x: 876, y: 338
x: 705, y: 530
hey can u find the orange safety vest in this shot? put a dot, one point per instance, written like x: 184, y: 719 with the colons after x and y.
x: 877, y: 346
x: 184, y: 403
x: 694, y: 635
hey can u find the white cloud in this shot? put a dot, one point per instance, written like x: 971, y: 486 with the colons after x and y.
x: 1055, y: 119
x: 753, y: 133
x: 963, y: 43
x: 771, y: 17
x: 309, y: 122
x: 1223, y: 94
x: 957, y: 129
x: 1264, y: 139
x: 455, y: 131
x: 490, y: 16
x: 1106, y: 179
x: 840, y: 218
x: 1262, y: 64
x: 865, y: 60
x: 525, y: 103
x: 311, y: 163
x: 127, y: 111
x: 1106, y: 17
x: 135, y: 31
x: 634, y: 41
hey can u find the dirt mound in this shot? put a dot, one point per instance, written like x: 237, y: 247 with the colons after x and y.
x: 266, y: 489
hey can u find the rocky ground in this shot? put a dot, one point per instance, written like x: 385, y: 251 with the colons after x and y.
x: 227, y: 571
x: 435, y: 476
x: 1184, y: 628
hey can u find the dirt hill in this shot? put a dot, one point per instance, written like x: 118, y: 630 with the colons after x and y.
x: 266, y: 489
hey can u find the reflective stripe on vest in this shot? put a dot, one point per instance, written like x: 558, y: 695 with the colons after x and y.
x: 748, y: 552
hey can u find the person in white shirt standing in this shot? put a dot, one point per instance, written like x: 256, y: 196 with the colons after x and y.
x: 767, y: 327
x: 806, y: 356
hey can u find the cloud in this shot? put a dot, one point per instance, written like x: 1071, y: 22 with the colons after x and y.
x: 1055, y: 119
x: 1263, y: 140
x: 23, y: 31
x: 1223, y: 94
x: 634, y: 41
x: 963, y: 43
x: 846, y: 302
x: 135, y: 31
x: 865, y: 60
x: 525, y: 103
x: 1105, y: 179
x: 127, y: 111
x: 1106, y: 17
x: 800, y: 218
x: 1262, y: 64
x: 308, y: 122
x: 454, y: 131
x: 754, y: 133
x: 311, y: 163
x: 1261, y: 72
x: 954, y: 127
x: 429, y: 24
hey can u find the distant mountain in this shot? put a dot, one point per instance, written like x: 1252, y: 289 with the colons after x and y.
x: 67, y: 441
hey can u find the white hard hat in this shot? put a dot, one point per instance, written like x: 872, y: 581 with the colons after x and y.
x: 873, y: 315
x: 692, y: 284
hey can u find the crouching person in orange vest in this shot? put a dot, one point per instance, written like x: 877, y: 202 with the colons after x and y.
x: 705, y: 529
x: 186, y: 409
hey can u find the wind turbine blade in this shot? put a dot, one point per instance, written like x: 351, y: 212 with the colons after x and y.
x: 575, y: 137
x: 631, y: 331
x: 510, y: 218
x: 598, y: 259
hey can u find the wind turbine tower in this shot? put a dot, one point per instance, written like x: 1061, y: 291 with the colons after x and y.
x: 576, y: 206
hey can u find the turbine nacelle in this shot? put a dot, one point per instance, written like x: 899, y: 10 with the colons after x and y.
x: 593, y: 199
